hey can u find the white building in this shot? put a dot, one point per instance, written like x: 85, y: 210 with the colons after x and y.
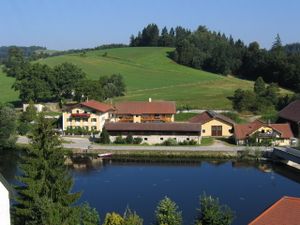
x: 4, y: 202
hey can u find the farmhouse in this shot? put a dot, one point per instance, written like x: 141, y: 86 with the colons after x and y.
x: 90, y: 115
x: 5, y: 191
x: 291, y: 114
x: 285, y: 211
x: 145, y: 112
x: 259, y: 132
x: 214, y: 124
x: 154, y: 133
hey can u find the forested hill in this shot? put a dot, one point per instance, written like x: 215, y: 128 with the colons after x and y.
x: 215, y: 52
x: 27, y: 51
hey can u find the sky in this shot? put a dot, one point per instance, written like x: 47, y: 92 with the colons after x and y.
x: 69, y: 24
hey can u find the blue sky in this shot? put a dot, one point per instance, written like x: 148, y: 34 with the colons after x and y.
x: 65, y: 24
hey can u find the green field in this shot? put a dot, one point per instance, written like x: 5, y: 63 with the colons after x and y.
x: 148, y: 72
x: 7, y: 94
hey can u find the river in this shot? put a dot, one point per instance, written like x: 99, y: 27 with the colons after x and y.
x: 247, y: 188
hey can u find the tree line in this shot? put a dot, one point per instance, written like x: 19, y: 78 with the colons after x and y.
x: 29, y: 52
x: 42, y: 83
x: 215, y: 52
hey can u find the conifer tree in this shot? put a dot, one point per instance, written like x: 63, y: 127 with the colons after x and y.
x: 44, y: 196
x: 167, y: 213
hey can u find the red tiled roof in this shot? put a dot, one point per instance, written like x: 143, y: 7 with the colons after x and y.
x: 291, y: 112
x: 286, y: 211
x: 180, y: 127
x: 242, y: 131
x: 99, y: 106
x: 208, y: 116
x: 138, y: 108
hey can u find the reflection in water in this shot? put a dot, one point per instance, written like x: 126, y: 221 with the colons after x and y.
x: 247, y: 187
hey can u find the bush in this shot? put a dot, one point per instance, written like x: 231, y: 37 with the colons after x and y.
x: 137, y: 140
x: 170, y: 142
x: 191, y: 142
x: 129, y: 139
x: 24, y: 128
x: 167, y: 213
x: 104, y: 137
x: 120, y: 140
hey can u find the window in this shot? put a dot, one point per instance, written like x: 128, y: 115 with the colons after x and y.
x: 145, y: 139
x: 86, y: 127
x: 69, y: 119
x: 187, y: 139
x: 85, y: 119
x: 94, y: 128
x: 174, y: 139
x: 94, y: 119
x: 203, y: 131
x: 77, y: 111
x: 77, y: 119
x: 161, y: 139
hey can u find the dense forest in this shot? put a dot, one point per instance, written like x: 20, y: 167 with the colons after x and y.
x: 215, y: 52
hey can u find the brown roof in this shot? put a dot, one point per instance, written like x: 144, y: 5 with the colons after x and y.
x: 138, y: 108
x: 208, y: 116
x: 98, y: 106
x: 180, y: 127
x: 242, y: 131
x: 291, y: 112
x: 285, y: 211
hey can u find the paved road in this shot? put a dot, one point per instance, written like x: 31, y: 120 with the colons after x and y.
x: 83, y: 143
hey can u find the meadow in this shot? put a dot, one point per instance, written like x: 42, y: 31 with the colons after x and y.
x: 150, y: 73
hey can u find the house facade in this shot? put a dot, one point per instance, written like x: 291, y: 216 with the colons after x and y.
x: 214, y: 124
x: 90, y: 115
x: 259, y: 132
x: 291, y: 115
x: 145, y: 112
x: 155, y: 133
x: 4, y: 202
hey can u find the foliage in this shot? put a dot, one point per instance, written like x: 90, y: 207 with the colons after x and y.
x: 167, y: 213
x: 137, y: 140
x: 44, y: 194
x: 77, y: 131
x: 131, y: 218
x: 129, y: 139
x: 29, y: 114
x: 113, y: 219
x: 88, y: 215
x: 8, y: 127
x: 106, y: 87
x: 262, y: 100
x: 215, y: 52
x: 184, y: 116
x: 212, y: 213
x: 169, y: 142
x: 234, y: 116
x: 67, y: 77
x: 104, y: 137
x: 120, y: 140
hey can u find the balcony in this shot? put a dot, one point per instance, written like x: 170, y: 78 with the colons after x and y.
x: 156, y: 118
x: 80, y: 115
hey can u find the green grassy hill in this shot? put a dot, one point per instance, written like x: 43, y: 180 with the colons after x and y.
x: 148, y: 72
x: 7, y: 94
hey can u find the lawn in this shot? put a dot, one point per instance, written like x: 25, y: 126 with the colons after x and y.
x: 180, y: 117
x: 148, y: 72
x: 7, y: 94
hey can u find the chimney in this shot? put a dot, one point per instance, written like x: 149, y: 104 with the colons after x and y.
x: 150, y: 100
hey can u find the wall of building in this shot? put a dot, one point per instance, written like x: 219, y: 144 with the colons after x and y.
x: 158, y: 139
x: 226, y: 128
x: 69, y: 121
x: 4, y: 206
x: 278, y: 142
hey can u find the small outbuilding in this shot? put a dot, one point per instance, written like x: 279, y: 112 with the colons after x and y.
x: 214, y: 124
x: 155, y: 133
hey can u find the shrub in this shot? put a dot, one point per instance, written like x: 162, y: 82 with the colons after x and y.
x: 137, y: 140
x: 24, y: 128
x: 120, y: 140
x: 104, y: 137
x: 129, y: 139
x: 170, y: 142
x: 167, y: 213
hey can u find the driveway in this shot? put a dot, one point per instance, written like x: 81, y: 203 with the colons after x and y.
x: 82, y: 143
